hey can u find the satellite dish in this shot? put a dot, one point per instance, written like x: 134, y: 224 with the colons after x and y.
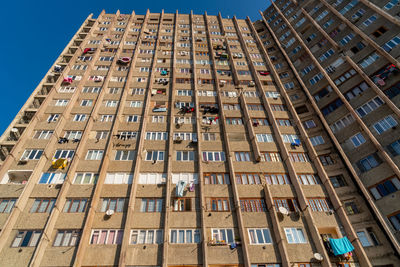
x: 283, y: 210
x: 109, y: 212
x: 318, y: 257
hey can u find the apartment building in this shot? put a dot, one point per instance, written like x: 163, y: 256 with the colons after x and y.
x: 344, y: 54
x: 178, y: 140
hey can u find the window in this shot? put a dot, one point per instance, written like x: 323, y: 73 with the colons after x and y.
x: 319, y: 204
x: 316, y: 78
x: 209, y: 136
x: 395, y: 221
x: 114, y: 90
x: 183, y: 204
x: 6, y: 204
x: 369, y: 162
x: 86, y: 178
x: 126, y: 135
x: 277, y: 179
x: 132, y: 118
x: 61, y: 102
x: 299, y: 157
x: 73, y: 135
x: 357, y: 139
x: 146, y: 236
x: 326, y: 55
x: 155, y: 155
x: 385, y: 124
x: 213, y: 156
x: 185, y: 136
x: 181, y: 236
x: 119, y: 178
x: 107, y: 237
x: 32, y: 154
x: 152, y: 178
x: 308, y: 179
x: 79, y: 117
x: 125, y: 155
x: 29, y: 238
x: 367, y: 61
x: 222, y: 235
x: 135, y: 104
x: 295, y: 235
x: 394, y: 148
x: 111, y: 103
x: 264, y: 138
x: 216, y: 178
x: 234, y: 121
x: 391, y: 4
x: 151, y: 205
x: 338, y: 181
x: 289, y: 203
x: 271, y: 156
x: 309, y: 124
x: 355, y: 91
x: 86, y: 103
x: 185, y: 155
x: 156, y: 136
x: 248, y: 178
x: 367, y: 237
x: 42, y: 205
x: 259, y: 236
x: 53, y: 117
x: 386, y: 187
x: 283, y: 122
x: 158, y: 119
x: 107, y: 118
x: 66, y: 89
x: 370, y: 20
x: 218, y: 204
x: 369, y: 106
x: 52, y: 178
x: 253, y: 205
x: 345, y: 76
x: 67, y: 238
x: 260, y: 122
x: 114, y: 204
x: 46, y: 134
x: 342, y: 123
x: 138, y: 91
x: 317, y: 140
x: 276, y: 107
x: 94, y: 90
x: 64, y: 154
x: 94, y: 155
x: 326, y: 160
x: 290, y: 138
x: 351, y: 207
x: 242, y: 156
x: 75, y: 205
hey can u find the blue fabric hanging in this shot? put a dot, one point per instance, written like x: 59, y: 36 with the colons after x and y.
x: 180, y: 187
x: 340, y: 246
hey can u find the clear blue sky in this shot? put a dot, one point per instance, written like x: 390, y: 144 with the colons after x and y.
x: 37, y: 31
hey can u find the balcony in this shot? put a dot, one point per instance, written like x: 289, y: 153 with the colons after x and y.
x: 17, y: 177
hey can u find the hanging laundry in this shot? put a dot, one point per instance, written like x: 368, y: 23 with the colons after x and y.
x: 191, y: 187
x: 180, y: 187
x: 340, y: 246
x: 57, y: 68
x: 164, y: 72
x: 67, y: 80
